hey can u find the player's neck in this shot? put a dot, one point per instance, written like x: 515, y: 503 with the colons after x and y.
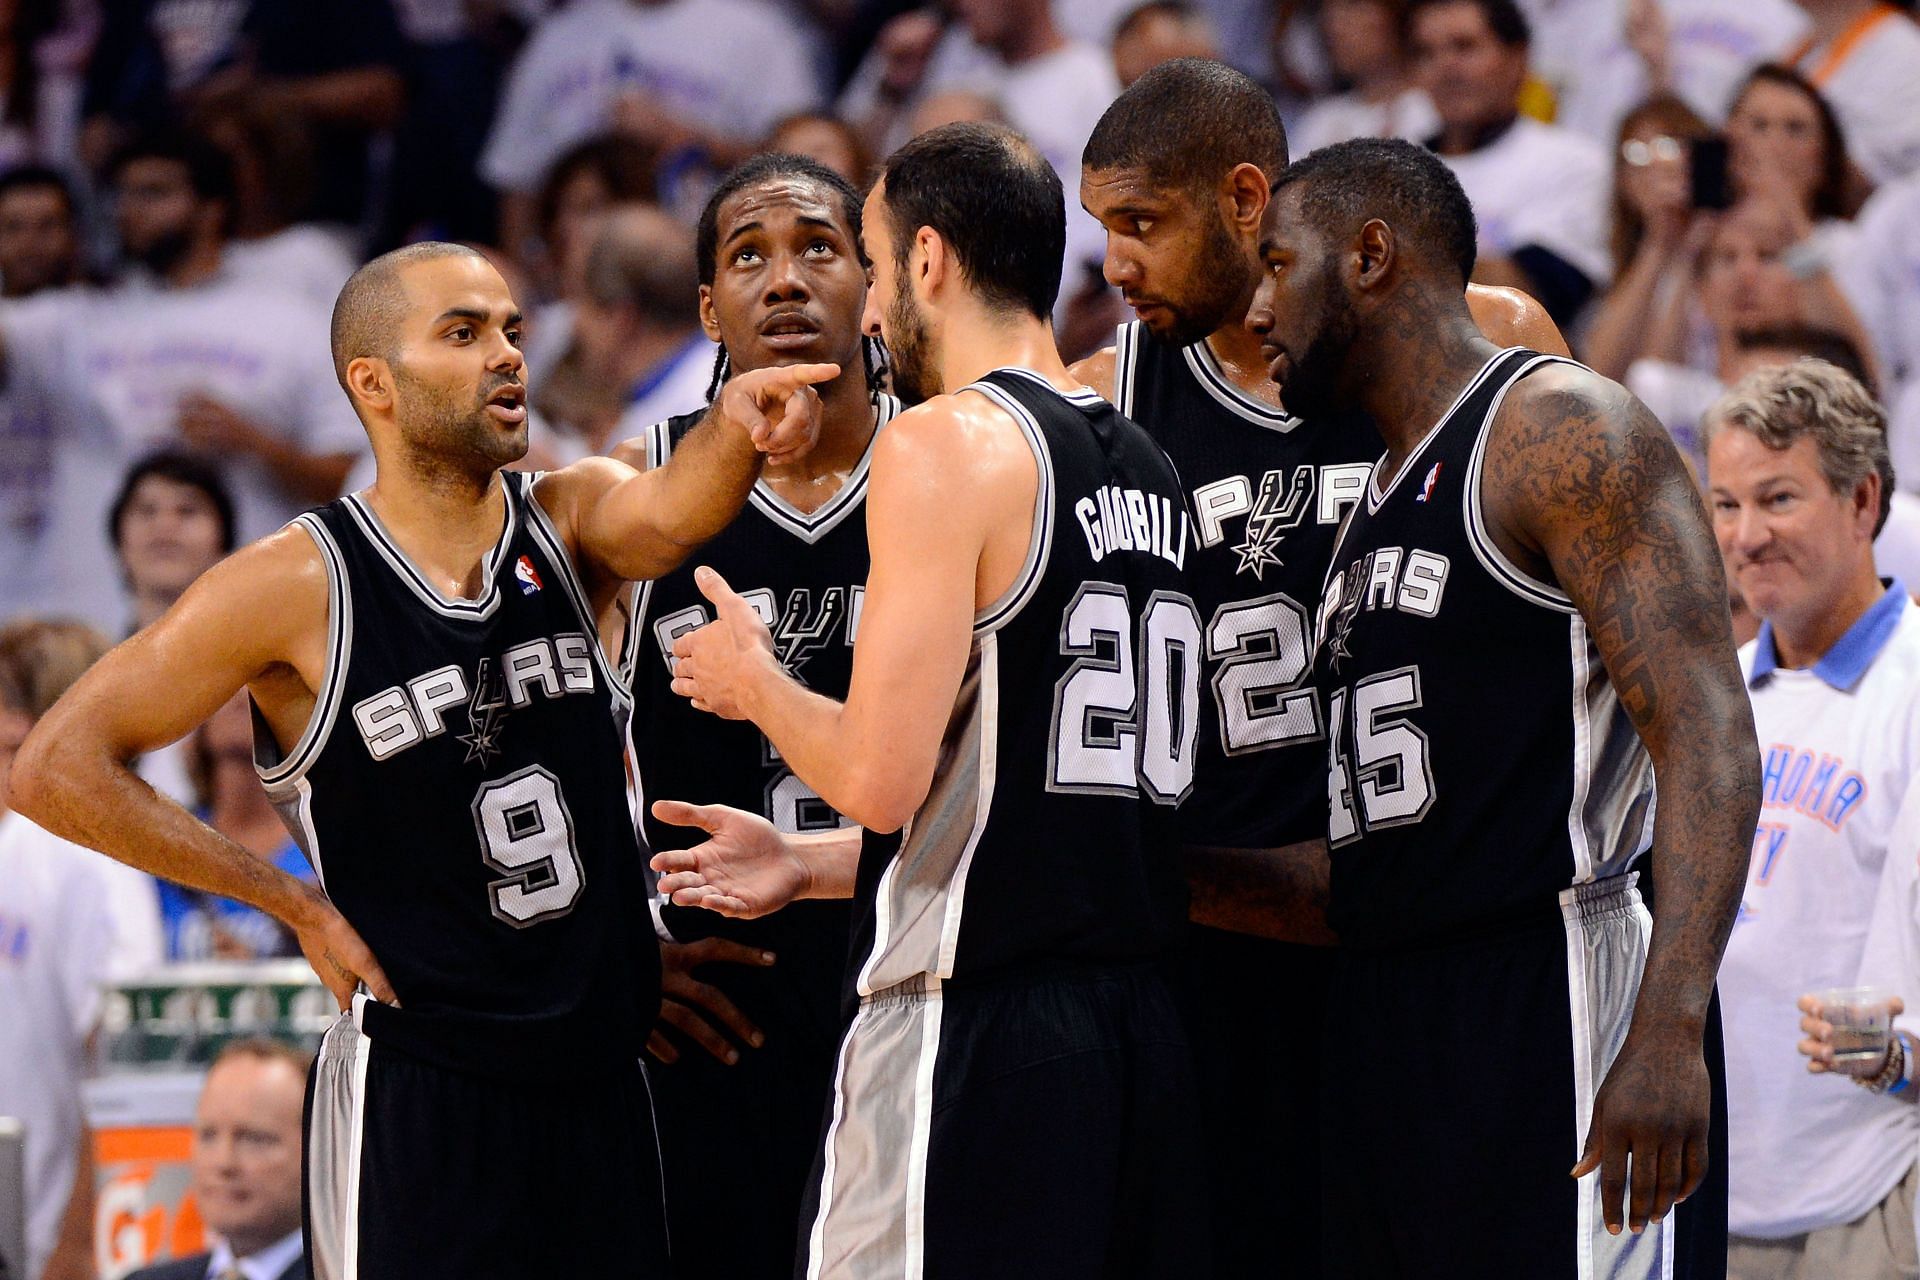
x: 973, y: 346
x: 1238, y: 350
x: 847, y: 423
x: 1417, y: 356
x: 446, y: 521
x: 1801, y: 642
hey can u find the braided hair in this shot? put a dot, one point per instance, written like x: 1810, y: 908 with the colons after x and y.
x: 767, y: 168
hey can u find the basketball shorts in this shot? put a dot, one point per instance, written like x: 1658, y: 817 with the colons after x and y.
x: 1254, y: 1011
x: 1038, y: 1126
x: 430, y: 1158
x: 1459, y: 1085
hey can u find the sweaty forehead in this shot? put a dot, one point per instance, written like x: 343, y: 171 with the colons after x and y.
x: 1128, y: 185
x: 778, y: 198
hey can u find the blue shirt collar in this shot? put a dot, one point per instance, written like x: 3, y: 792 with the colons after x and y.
x: 1847, y: 661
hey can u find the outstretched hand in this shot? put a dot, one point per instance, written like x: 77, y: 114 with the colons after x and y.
x: 777, y: 407
x: 743, y: 869
x: 714, y: 665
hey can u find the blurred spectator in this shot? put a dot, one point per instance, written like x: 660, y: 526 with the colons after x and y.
x: 1366, y: 48
x: 273, y: 179
x: 638, y: 355
x: 39, y: 232
x: 954, y: 106
x: 1784, y: 145
x: 1600, y: 57
x: 334, y: 66
x: 583, y: 185
x: 708, y: 75
x: 1862, y: 55
x: 184, y: 354
x: 245, y: 1179
x: 200, y: 926
x: 70, y: 922
x: 1539, y: 193
x: 1879, y: 270
x: 826, y: 138
x: 1822, y: 1179
x: 41, y: 564
x: 42, y: 62
x: 1158, y: 32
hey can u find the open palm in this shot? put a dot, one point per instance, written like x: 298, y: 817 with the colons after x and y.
x: 743, y: 869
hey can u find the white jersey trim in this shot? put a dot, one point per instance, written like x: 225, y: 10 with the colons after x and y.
x: 810, y: 527
x: 1126, y: 363
x: 481, y: 606
x: 922, y: 1134
x: 1582, y: 753
x: 1376, y: 497
x: 1213, y: 379
x: 989, y: 766
x: 816, y: 1238
x: 1485, y: 549
x: 1040, y: 543
x: 326, y: 703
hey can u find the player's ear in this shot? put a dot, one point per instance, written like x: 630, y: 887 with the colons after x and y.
x: 931, y: 262
x: 1374, y: 253
x: 1243, y: 197
x: 370, y: 382
x: 708, y: 321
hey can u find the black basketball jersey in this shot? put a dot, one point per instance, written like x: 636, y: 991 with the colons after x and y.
x: 1267, y: 492
x: 1479, y: 760
x: 461, y: 789
x: 1049, y: 832
x: 805, y: 575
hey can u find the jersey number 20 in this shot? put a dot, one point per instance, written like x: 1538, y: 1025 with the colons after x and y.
x: 1121, y: 726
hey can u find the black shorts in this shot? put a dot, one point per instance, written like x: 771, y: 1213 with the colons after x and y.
x: 1459, y: 1086
x: 418, y: 1168
x: 1031, y: 1127
x: 1254, y: 1011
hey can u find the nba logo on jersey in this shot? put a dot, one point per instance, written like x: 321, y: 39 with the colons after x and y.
x: 1426, y: 490
x: 529, y: 578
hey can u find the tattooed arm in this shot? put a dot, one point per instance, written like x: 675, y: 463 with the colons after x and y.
x: 1271, y: 893
x: 1583, y: 487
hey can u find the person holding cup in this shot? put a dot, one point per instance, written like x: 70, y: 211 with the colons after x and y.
x: 1822, y: 1179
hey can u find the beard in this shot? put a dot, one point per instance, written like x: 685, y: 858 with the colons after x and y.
x: 164, y: 252
x: 916, y: 375
x: 446, y: 426
x: 1316, y: 370
x: 1219, y: 275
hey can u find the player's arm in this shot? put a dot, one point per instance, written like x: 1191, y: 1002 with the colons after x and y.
x: 1582, y: 476
x: 240, y: 624
x: 1515, y: 318
x: 930, y: 503
x: 1097, y: 370
x: 642, y: 524
x: 1270, y: 893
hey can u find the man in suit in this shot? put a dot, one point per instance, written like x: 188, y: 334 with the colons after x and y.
x: 246, y: 1167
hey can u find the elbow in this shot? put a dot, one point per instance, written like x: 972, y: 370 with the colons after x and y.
x: 883, y: 801
x: 33, y: 782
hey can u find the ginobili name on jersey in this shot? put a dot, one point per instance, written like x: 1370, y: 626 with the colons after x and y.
x: 1117, y: 519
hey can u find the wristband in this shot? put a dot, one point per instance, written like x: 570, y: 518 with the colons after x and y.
x: 1906, y: 1063
x: 1895, y: 1069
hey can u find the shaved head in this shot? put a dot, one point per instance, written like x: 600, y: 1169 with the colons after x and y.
x: 373, y: 303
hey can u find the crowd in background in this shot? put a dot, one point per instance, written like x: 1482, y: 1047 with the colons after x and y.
x: 1695, y: 189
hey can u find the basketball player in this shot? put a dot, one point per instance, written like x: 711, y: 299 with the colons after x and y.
x: 440, y: 729
x: 782, y: 281
x: 1177, y: 172
x: 1012, y: 1095
x: 1523, y: 624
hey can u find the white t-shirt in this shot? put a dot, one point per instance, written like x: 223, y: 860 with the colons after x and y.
x: 1896, y: 552
x: 1542, y: 186
x: 1840, y: 745
x: 309, y: 259
x: 1878, y: 268
x: 117, y: 367
x: 680, y: 387
x: 1875, y: 90
x: 60, y: 941
x: 1580, y: 49
x: 1408, y: 115
x: 736, y: 67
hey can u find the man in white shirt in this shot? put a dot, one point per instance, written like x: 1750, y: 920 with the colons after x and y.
x: 1822, y: 1178
x: 1539, y: 193
x: 726, y: 69
x: 246, y: 1167
x: 184, y: 354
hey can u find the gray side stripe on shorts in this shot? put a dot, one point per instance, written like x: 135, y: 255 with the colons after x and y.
x: 333, y: 1150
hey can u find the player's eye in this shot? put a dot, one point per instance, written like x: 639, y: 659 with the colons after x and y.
x: 462, y: 333
x: 1141, y: 226
x: 741, y: 256
x: 821, y: 246
x: 513, y: 337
